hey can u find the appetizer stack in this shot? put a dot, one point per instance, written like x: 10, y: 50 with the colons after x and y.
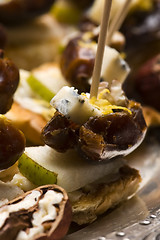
x: 82, y: 129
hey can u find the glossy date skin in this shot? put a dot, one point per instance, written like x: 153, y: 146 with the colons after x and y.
x: 77, y: 64
x: 9, y: 75
x: 100, y: 138
x: 78, y: 57
x: 15, y: 11
x: 12, y: 143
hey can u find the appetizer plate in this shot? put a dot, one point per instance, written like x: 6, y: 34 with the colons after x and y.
x: 139, y: 217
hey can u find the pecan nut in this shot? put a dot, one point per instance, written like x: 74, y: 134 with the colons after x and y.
x: 40, y: 214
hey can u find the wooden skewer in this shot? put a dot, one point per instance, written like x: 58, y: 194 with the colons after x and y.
x: 100, y: 49
x: 118, y: 20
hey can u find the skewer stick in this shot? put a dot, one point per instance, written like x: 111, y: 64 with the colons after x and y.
x: 118, y: 20
x: 100, y: 49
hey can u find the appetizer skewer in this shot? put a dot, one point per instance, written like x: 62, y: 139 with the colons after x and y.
x: 68, y: 165
x: 86, y: 134
x: 83, y: 130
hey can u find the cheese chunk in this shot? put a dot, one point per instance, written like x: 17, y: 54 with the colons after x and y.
x: 74, y: 106
x: 114, y: 67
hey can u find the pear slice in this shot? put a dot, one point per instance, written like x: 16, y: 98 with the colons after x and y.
x: 73, y: 172
x: 34, y: 172
x: 39, y: 88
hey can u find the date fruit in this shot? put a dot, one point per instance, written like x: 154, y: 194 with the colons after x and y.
x: 12, y: 143
x: 147, y: 82
x: 9, y: 75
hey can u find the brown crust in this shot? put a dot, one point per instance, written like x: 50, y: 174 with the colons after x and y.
x: 28, y: 122
x: 103, y: 196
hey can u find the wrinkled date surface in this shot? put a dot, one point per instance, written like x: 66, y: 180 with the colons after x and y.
x: 14, y: 11
x: 40, y: 214
x: 77, y: 63
x: 9, y: 79
x: 59, y: 133
x: 12, y: 143
x: 147, y: 82
x: 100, y: 138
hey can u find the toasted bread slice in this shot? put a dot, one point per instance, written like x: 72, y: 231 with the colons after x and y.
x: 96, y: 198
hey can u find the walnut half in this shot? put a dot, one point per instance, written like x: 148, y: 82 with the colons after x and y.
x: 40, y: 214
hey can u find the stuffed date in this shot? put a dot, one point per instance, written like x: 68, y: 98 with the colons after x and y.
x: 77, y: 62
x: 98, y: 129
